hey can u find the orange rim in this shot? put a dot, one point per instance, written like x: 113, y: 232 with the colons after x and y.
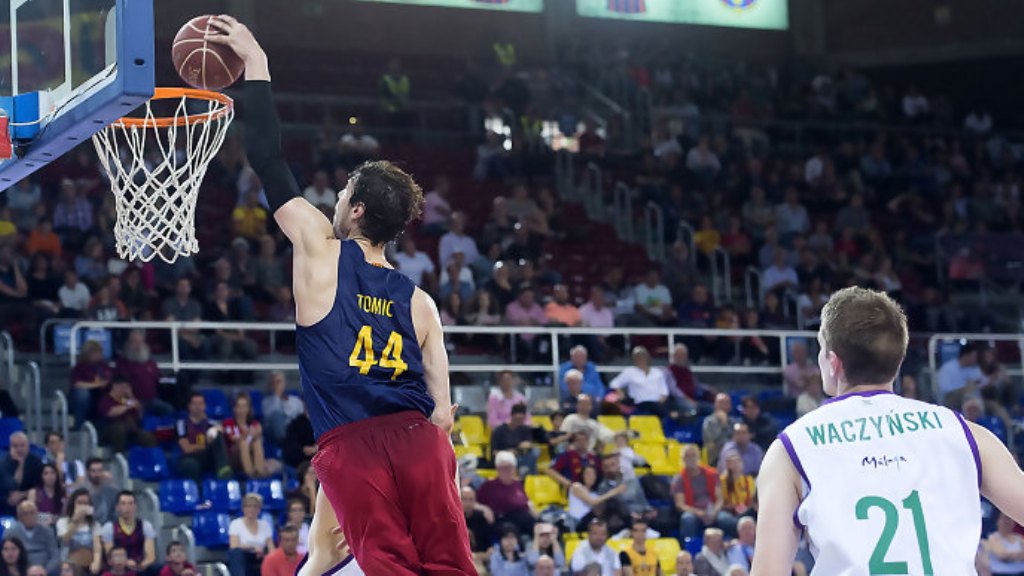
x: 174, y: 93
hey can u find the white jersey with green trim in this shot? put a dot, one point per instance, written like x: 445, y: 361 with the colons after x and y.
x: 891, y: 486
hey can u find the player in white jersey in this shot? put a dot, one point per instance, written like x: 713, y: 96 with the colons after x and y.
x: 881, y: 484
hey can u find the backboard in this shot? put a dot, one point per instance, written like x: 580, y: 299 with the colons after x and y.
x: 67, y: 69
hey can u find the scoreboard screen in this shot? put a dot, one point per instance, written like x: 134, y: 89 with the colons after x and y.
x: 763, y: 14
x: 501, y: 5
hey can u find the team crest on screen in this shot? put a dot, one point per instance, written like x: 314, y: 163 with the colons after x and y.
x: 739, y: 4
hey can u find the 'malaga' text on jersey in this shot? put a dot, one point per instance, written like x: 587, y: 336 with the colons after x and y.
x: 890, y: 486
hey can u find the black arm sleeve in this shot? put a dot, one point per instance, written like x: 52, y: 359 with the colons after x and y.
x: 263, y: 145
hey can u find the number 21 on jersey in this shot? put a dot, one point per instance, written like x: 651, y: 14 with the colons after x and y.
x: 364, y: 358
x: 878, y: 564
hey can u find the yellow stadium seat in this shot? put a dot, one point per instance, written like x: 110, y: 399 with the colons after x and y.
x: 570, y: 547
x: 542, y: 491
x: 668, y: 549
x: 619, y: 544
x: 656, y: 457
x: 486, y: 473
x: 474, y: 430
x: 613, y: 423
x: 649, y: 429
x: 461, y: 451
x: 543, y: 421
x: 704, y: 455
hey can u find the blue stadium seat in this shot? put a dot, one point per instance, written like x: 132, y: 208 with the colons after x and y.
x: 737, y: 399
x: 9, y: 426
x: 272, y: 492
x: 157, y: 422
x: 689, y: 434
x: 271, y: 450
x: 693, y: 545
x: 223, y: 495
x: 257, y: 403
x: 217, y: 405
x: 148, y: 464
x: 996, y: 426
x: 179, y: 496
x: 37, y: 450
x: 211, y: 529
x: 5, y: 524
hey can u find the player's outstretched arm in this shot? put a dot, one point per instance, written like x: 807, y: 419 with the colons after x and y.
x: 1002, y: 481
x: 435, y: 358
x: 305, y: 226
x: 778, y: 486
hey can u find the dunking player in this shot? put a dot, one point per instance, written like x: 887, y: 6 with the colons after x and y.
x: 880, y: 483
x: 371, y: 354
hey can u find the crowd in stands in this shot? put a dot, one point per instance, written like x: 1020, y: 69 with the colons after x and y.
x: 861, y: 207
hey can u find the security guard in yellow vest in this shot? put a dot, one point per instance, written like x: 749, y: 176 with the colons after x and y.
x: 640, y: 559
x: 394, y: 89
x: 505, y: 52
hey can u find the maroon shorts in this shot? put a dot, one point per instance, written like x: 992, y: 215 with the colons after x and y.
x: 391, y: 481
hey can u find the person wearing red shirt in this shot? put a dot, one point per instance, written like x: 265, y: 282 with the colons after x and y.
x: 505, y: 495
x: 245, y: 440
x: 284, y: 559
x: 177, y: 561
x: 118, y: 560
x: 568, y: 468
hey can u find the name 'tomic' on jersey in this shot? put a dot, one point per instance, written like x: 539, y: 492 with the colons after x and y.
x: 891, y: 486
x: 363, y: 359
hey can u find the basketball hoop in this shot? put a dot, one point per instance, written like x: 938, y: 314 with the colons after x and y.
x: 156, y: 164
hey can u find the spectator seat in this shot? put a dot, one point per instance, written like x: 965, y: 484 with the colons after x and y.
x: 543, y: 491
x: 648, y: 428
x: 223, y: 495
x: 147, y: 464
x: 211, y: 529
x: 613, y: 423
x: 272, y: 491
x: 179, y: 496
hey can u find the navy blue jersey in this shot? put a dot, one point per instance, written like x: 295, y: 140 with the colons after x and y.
x: 362, y: 359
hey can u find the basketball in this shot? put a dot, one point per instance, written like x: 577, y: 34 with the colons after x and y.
x: 203, y: 64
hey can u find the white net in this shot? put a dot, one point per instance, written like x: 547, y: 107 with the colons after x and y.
x: 156, y: 165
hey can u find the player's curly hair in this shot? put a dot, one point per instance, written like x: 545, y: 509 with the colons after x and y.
x: 391, y: 199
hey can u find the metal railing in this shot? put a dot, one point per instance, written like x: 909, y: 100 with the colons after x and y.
x: 622, y: 211
x: 654, y: 232
x: 592, y: 192
x: 59, y: 414
x: 806, y: 133
x: 149, y: 507
x: 933, y: 349
x: 182, y: 533
x: 88, y: 441
x: 685, y: 234
x: 554, y: 334
x: 120, y: 471
x: 7, y: 350
x: 33, y: 400
x: 753, y: 294
x: 721, y: 276
x: 565, y: 174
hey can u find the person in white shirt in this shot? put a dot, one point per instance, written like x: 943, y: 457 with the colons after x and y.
x: 279, y: 407
x: 456, y: 240
x: 645, y: 385
x: 781, y: 275
x: 319, y: 193
x: 415, y: 264
x: 436, y: 208
x: 250, y: 537
x: 791, y: 217
x: 960, y: 378
x: 74, y: 295
x: 596, y: 551
x: 978, y: 122
x: 654, y: 300
x: 915, y: 105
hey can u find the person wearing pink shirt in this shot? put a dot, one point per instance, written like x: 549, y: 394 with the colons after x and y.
x: 502, y: 399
